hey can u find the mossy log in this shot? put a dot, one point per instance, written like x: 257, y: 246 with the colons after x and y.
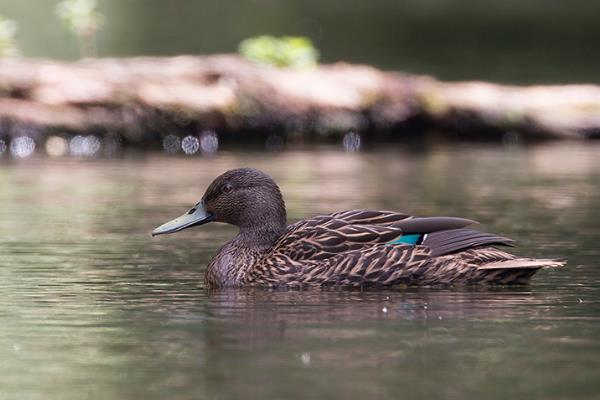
x: 143, y: 99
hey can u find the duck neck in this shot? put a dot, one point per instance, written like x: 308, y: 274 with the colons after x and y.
x: 230, y: 266
x: 259, y: 237
x: 262, y: 224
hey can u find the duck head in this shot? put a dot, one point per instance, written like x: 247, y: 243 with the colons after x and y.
x: 245, y: 197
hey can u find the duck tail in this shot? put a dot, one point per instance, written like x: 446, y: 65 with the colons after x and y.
x: 524, y: 263
x: 514, y: 271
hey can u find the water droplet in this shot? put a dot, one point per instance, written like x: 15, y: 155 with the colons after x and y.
x: 384, y: 310
x: 171, y: 144
x: 84, y: 146
x: 56, y: 146
x: 190, y: 145
x: 209, y: 142
x: 22, y: 146
x: 76, y: 145
x: 93, y: 145
x: 351, y: 141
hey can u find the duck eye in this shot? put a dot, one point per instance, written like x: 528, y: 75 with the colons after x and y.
x: 227, y: 188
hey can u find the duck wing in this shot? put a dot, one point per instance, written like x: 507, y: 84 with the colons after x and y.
x: 389, y: 265
x: 328, y: 235
x: 362, y: 248
x: 380, y: 264
x: 366, y: 217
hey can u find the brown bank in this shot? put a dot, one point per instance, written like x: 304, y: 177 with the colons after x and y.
x: 140, y: 100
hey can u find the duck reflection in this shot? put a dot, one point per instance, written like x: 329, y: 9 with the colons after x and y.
x: 254, y: 335
x: 256, y: 315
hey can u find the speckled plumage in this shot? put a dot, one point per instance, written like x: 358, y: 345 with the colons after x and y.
x: 350, y: 248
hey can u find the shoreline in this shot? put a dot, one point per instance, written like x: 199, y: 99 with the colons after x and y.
x: 142, y: 100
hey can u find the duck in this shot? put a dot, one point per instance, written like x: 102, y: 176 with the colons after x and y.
x: 347, y: 249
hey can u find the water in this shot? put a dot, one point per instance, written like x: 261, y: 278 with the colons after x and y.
x: 92, y: 307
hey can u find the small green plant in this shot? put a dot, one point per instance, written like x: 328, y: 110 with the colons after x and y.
x: 8, y: 43
x: 83, y: 20
x: 287, y: 51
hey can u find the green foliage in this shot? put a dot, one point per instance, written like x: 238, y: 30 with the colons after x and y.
x: 287, y: 51
x: 80, y: 16
x: 8, y: 44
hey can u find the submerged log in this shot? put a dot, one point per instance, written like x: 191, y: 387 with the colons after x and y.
x: 143, y: 99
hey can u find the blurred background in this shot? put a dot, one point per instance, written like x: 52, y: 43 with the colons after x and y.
x: 472, y: 108
x: 504, y: 41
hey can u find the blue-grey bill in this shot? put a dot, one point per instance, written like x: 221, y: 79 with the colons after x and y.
x: 195, y: 216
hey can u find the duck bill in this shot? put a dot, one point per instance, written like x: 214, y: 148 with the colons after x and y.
x: 195, y: 216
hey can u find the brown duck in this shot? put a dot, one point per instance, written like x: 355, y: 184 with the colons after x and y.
x: 355, y: 248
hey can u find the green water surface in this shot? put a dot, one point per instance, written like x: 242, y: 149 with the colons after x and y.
x: 92, y: 307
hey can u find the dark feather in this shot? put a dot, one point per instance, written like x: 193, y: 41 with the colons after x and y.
x: 449, y: 241
x: 368, y: 217
x: 432, y: 224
